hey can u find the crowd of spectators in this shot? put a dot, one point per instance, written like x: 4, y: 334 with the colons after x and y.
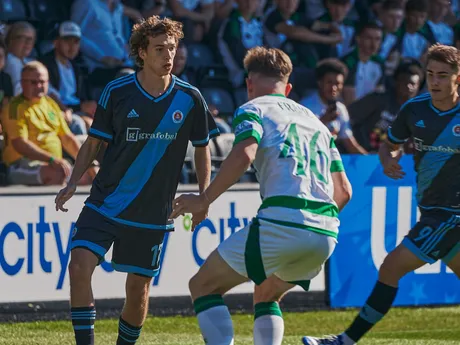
x: 355, y: 63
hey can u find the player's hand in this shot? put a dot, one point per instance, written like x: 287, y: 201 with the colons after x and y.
x: 63, y: 196
x: 189, y: 203
x: 392, y: 168
x: 198, y: 217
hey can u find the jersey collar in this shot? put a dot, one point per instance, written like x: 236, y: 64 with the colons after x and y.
x: 149, y: 96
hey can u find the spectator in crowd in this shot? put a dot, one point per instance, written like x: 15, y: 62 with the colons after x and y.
x: 288, y: 30
x: 221, y: 124
x: 366, y: 68
x: 335, y: 20
x: 330, y: 77
x: 372, y: 115
x: 104, y: 47
x: 415, y: 36
x: 67, y: 85
x: 144, y: 8
x: 437, y: 12
x: 20, y: 40
x: 180, y: 62
x: 196, y: 15
x: 223, y: 8
x: 6, y: 87
x: 37, y: 133
x: 239, y: 33
x: 390, y: 15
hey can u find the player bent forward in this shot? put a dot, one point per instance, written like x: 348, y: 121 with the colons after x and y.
x: 303, y: 185
x: 432, y: 121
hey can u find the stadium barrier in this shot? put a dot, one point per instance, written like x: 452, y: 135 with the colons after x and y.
x: 34, y: 250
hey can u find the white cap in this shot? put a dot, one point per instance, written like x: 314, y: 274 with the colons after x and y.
x: 69, y: 29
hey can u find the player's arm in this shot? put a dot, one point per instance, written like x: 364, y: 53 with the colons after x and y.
x: 391, y: 149
x: 85, y: 158
x: 203, y: 167
x: 342, y: 186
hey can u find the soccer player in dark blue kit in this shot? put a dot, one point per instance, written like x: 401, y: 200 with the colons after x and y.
x: 147, y: 119
x: 433, y: 122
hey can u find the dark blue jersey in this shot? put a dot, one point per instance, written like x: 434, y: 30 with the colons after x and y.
x: 147, y: 142
x: 436, y: 137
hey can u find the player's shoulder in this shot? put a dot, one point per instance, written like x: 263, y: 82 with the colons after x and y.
x: 188, y: 88
x: 417, y: 102
x: 252, y: 107
x: 118, y: 86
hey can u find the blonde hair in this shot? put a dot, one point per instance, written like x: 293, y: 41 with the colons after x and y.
x: 33, y: 66
x: 272, y: 62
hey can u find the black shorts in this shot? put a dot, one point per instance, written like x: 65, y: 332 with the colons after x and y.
x: 435, y: 237
x: 135, y: 250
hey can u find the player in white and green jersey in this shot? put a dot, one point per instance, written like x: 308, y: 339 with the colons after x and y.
x: 303, y: 187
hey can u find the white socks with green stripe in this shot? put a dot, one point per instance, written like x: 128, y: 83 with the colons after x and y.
x: 268, y: 324
x: 214, y: 320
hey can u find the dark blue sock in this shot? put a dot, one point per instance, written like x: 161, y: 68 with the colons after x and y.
x: 377, y: 305
x: 83, y: 324
x: 127, y: 334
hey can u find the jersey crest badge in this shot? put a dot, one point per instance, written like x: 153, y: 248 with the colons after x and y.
x: 177, y: 116
x: 456, y: 130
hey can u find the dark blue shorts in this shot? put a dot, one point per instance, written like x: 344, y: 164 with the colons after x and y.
x: 435, y: 237
x: 135, y: 250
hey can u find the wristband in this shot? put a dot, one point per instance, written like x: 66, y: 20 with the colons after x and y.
x: 51, y: 160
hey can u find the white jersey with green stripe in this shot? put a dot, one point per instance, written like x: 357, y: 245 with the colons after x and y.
x: 294, y: 163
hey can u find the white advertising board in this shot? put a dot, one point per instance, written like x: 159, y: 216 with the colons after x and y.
x: 34, y: 248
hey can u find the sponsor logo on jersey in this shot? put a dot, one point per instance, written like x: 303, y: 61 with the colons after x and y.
x: 177, y: 116
x: 419, y: 146
x: 135, y: 134
x: 456, y: 130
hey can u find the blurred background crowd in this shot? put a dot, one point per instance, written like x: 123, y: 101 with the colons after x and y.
x: 355, y: 63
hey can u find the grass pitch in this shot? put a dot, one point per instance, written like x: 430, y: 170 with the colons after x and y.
x: 424, y: 326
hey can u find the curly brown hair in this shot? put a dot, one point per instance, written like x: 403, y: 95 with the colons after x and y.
x: 152, y: 27
x: 445, y: 54
x: 270, y: 62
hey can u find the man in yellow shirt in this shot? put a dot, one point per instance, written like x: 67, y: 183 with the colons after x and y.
x: 36, y: 134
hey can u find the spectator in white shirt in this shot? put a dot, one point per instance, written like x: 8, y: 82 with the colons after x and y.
x: 330, y: 76
x: 20, y: 41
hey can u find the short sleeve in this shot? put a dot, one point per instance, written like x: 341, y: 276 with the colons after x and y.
x: 273, y: 20
x: 102, y: 124
x: 247, y: 123
x: 399, y: 130
x: 336, y: 159
x: 204, y: 127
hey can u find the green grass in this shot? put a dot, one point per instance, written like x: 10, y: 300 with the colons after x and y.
x: 400, y: 327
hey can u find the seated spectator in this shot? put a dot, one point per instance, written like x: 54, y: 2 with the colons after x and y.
x: 196, y: 15
x: 6, y: 87
x: 147, y: 8
x: 372, y: 115
x: 330, y: 77
x: 180, y: 62
x: 390, y: 15
x: 20, y: 40
x: 37, y: 133
x: 288, y: 30
x: 366, y: 69
x: 103, y: 44
x: 437, y: 12
x: 415, y: 36
x: 333, y: 21
x: 239, y: 33
x: 67, y: 85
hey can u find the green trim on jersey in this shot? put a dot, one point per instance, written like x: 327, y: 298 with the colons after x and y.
x: 277, y: 95
x: 253, y: 255
x: 337, y: 166
x: 251, y: 117
x: 245, y: 135
x: 302, y: 227
x: 315, y: 207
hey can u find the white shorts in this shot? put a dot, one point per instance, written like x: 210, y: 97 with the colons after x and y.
x: 263, y: 248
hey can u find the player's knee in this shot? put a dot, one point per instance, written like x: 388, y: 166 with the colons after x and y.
x: 200, y: 286
x: 137, y: 286
x: 79, y: 272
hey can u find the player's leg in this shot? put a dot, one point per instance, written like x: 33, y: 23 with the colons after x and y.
x: 137, y: 252
x: 420, y: 246
x: 214, y: 278
x: 89, y: 245
x: 268, y: 318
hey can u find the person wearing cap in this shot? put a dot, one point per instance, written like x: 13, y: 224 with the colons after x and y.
x: 67, y: 83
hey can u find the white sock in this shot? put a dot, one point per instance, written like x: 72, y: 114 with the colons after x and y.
x: 346, y: 339
x: 268, y: 330
x: 216, y: 325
